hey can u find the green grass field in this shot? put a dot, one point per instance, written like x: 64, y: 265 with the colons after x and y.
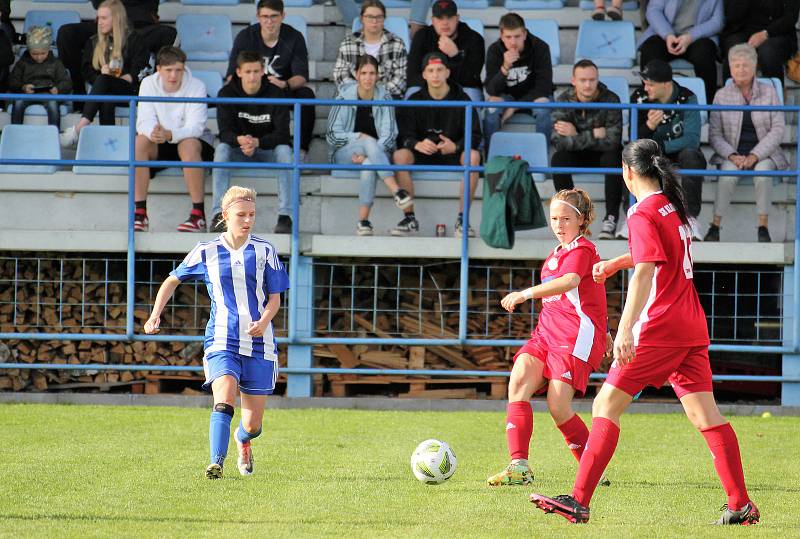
x: 93, y: 471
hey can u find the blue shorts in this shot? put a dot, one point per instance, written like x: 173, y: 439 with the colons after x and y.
x: 255, y: 376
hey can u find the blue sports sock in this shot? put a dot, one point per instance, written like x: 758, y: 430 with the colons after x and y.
x: 219, y: 433
x: 243, y: 436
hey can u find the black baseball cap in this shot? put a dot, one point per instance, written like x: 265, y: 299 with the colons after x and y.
x: 434, y: 57
x: 656, y: 71
x: 444, y: 8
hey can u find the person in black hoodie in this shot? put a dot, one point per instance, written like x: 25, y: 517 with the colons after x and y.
x: 253, y: 132
x: 435, y: 136
x: 285, y: 57
x: 461, y: 45
x: 518, y: 68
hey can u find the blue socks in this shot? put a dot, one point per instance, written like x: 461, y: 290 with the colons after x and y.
x: 243, y: 436
x: 219, y: 432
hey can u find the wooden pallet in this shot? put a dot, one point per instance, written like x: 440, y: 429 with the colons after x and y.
x: 343, y: 385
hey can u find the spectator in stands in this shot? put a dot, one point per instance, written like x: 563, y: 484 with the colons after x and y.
x: 614, y: 12
x: 461, y: 46
x: 256, y: 132
x: 111, y: 64
x: 745, y: 140
x: 518, y: 68
x: 7, y: 38
x: 366, y: 135
x: 172, y: 132
x: 590, y: 138
x: 677, y: 132
x: 375, y: 40
x: 767, y: 25
x: 435, y: 136
x: 285, y: 60
x: 38, y: 71
x: 685, y: 29
x: 417, y: 17
x: 142, y: 16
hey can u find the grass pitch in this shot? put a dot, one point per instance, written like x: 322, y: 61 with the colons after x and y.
x: 92, y: 471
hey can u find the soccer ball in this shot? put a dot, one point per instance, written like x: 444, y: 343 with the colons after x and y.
x: 433, y: 462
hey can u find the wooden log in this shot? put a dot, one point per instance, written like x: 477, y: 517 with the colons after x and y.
x: 416, y: 357
x: 345, y: 356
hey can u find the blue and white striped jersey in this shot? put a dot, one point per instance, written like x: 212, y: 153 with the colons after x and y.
x: 239, y: 283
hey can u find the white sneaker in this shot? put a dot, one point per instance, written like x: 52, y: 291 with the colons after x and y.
x: 607, y: 228
x: 69, y: 138
x: 245, y: 460
x: 622, y: 233
x: 696, y: 234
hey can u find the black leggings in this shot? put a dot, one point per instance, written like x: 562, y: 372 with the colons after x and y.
x: 107, y: 85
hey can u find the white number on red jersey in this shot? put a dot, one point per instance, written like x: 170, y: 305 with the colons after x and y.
x: 686, y: 238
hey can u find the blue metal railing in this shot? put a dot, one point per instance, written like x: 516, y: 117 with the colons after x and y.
x: 792, y: 349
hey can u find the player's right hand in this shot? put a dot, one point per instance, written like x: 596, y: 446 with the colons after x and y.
x: 600, y: 271
x: 512, y: 300
x: 151, y: 326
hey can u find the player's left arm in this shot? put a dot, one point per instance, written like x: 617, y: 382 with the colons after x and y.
x: 256, y: 328
x: 638, y: 292
x: 559, y: 285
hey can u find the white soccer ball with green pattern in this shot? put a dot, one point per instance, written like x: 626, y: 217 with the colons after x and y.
x: 433, y: 462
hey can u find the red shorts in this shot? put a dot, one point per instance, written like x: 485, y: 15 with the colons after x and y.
x: 687, y: 369
x: 559, y: 364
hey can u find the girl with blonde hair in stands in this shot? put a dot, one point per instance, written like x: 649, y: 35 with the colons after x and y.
x: 569, y: 340
x: 112, y: 62
x: 245, y: 279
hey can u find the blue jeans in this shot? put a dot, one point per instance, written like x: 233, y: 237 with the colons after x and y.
x: 53, y: 112
x: 351, y: 9
x: 222, y: 176
x: 491, y: 120
x: 375, y: 156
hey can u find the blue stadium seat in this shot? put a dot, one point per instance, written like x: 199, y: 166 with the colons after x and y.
x: 776, y: 83
x: 205, y: 37
x: 607, y: 43
x: 475, y: 24
x: 102, y: 142
x: 619, y: 85
x: 61, y: 1
x: 532, y: 147
x: 38, y: 110
x: 698, y: 87
x: 213, y: 81
x: 547, y: 31
x: 396, y: 25
x: 53, y: 18
x: 534, y: 4
x: 627, y: 5
x: 473, y: 4
x: 681, y: 64
x: 297, y: 3
x: 298, y: 23
x: 29, y: 142
x: 210, y: 2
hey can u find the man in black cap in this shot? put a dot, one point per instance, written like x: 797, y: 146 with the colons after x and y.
x: 461, y: 45
x: 676, y: 131
x: 435, y: 136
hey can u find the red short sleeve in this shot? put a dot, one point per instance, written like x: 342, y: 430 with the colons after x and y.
x: 578, y: 260
x: 644, y: 241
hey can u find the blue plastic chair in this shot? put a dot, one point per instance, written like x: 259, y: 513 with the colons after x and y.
x: 102, y: 142
x: 210, y: 2
x: 205, y: 37
x: 39, y: 110
x: 547, y: 31
x: 681, y: 64
x: 607, y: 44
x: 298, y: 23
x: 619, y: 85
x: 213, y: 81
x: 475, y: 24
x: 29, y: 142
x: 297, y: 3
x: 698, y: 88
x: 396, y: 25
x: 532, y: 147
x: 61, y: 1
x: 53, y: 18
x: 627, y: 5
x: 473, y: 4
x: 534, y: 4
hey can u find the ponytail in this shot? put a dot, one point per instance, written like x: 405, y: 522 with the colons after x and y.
x: 578, y: 199
x: 644, y: 157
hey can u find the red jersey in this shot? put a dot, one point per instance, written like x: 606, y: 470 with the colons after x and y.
x: 577, y: 317
x: 672, y: 315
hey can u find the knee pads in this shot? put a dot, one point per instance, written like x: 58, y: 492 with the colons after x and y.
x: 223, y: 408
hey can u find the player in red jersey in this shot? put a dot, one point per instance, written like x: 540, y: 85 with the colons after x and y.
x: 569, y: 340
x: 662, y: 336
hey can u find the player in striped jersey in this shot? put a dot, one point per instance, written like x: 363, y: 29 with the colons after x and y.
x: 569, y: 340
x: 662, y: 336
x: 245, y: 279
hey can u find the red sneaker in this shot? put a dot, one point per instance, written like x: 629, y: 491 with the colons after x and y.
x: 140, y: 221
x: 195, y: 223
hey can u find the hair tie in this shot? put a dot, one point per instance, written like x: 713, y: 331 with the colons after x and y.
x: 568, y: 204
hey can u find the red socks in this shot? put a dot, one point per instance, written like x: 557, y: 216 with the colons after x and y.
x: 519, y: 428
x: 597, y: 453
x: 724, y: 448
x: 575, y: 434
